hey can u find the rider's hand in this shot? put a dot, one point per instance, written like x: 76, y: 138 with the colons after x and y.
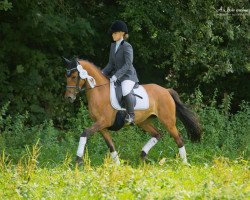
x: 113, y: 78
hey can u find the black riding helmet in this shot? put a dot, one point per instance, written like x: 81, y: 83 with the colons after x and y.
x: 118, y: 26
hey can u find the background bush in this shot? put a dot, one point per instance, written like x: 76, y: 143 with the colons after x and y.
x: 181, y: 44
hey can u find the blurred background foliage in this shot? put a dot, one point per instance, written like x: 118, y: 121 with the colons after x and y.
x: 180, y: 44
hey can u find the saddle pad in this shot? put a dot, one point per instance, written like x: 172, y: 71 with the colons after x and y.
x: 141, y: 104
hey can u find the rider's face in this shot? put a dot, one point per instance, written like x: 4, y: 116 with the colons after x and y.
x: 117, y: 36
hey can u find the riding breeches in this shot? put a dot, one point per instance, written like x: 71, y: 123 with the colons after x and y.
x: 127, y: 86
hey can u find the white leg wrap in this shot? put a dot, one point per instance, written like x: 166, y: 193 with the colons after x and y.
x: 183, y: 155
x: 115, y: 157
x: 152, y: 142
x: 81, y: 146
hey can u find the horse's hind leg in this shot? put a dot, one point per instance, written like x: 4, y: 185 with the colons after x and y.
x: 167, y: 116
x: 169, y: 123
x: 110, y: 145
x: 179, y: 141
x: 154, y: 132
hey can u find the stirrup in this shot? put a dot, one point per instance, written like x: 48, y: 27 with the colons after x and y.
x: 129, y: 119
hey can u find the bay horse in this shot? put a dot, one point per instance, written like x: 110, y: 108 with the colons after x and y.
x: 164, y: 103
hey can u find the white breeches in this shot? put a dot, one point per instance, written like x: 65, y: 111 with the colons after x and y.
x: 127, y: 86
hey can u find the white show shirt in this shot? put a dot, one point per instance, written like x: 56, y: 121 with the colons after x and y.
x: 117, y: 43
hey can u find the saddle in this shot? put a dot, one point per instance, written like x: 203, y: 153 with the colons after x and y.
x: 141, y: 100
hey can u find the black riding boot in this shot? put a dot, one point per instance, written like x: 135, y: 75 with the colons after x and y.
x: 129, y: 104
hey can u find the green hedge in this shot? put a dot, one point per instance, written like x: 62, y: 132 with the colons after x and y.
x: 180, y: 44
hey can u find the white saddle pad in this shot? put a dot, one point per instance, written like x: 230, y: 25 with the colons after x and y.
x: 141, y: 104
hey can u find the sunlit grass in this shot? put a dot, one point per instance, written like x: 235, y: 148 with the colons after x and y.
x: 169, y: 179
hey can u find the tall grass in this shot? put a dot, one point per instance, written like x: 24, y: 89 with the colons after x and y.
x: 224, y: 134
x: 223, y: 179
x: 38, y: 162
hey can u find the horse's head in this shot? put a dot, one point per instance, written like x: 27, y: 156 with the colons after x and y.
x: 74, y: 81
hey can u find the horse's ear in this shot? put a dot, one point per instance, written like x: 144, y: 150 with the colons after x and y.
x: 67, y: 61
x: 76, y: 61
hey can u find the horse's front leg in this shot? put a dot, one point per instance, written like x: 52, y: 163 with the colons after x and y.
x: 110, y: 145
x: 83, y: 140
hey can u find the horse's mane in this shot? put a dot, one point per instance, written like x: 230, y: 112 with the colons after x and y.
x: 91, y: 65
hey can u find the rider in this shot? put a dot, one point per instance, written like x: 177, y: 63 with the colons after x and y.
x: 120, y: 66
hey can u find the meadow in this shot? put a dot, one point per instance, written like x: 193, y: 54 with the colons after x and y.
x: 222, y: 179
x: 37, y: 162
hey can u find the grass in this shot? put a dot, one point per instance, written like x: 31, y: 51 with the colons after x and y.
x: 168, y: 179
x: 37, y: 162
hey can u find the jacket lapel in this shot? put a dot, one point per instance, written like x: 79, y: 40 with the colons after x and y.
x: 113, y: 49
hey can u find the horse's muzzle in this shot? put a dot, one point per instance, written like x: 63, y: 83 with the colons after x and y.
x: 70, y: 97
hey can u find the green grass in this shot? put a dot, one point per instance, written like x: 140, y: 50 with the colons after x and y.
x: 222, y: 179
x: 37, y: 162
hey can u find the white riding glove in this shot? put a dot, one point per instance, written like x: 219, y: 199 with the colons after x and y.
x: 113, y: 78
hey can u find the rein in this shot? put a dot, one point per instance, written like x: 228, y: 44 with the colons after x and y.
x: 95, y: 87
x: 82, y: 89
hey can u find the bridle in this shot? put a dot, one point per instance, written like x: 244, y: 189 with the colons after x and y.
x: 77, y: 86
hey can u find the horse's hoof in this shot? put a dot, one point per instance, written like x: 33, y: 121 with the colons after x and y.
x: 79, y: 161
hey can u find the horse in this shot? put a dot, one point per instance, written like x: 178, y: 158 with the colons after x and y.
x: 164, y: 103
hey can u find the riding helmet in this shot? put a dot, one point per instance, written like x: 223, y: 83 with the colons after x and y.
x: 118, y: 26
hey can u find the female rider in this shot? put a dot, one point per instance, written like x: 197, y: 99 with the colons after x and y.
x: 120, y: 66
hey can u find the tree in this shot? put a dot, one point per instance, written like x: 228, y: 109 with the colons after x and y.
x: 192, y: 42
x: 5, y: 5
x: 179, y: 44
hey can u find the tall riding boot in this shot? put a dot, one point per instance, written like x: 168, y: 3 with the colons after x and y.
x: 129, y: 104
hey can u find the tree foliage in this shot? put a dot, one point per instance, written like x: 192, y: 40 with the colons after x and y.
x: 181, y: 44
x: 5, y: 5
x: 35, y: 34
x: 190, y: 40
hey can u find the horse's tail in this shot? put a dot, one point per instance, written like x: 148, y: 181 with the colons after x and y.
x: 187, y: 117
